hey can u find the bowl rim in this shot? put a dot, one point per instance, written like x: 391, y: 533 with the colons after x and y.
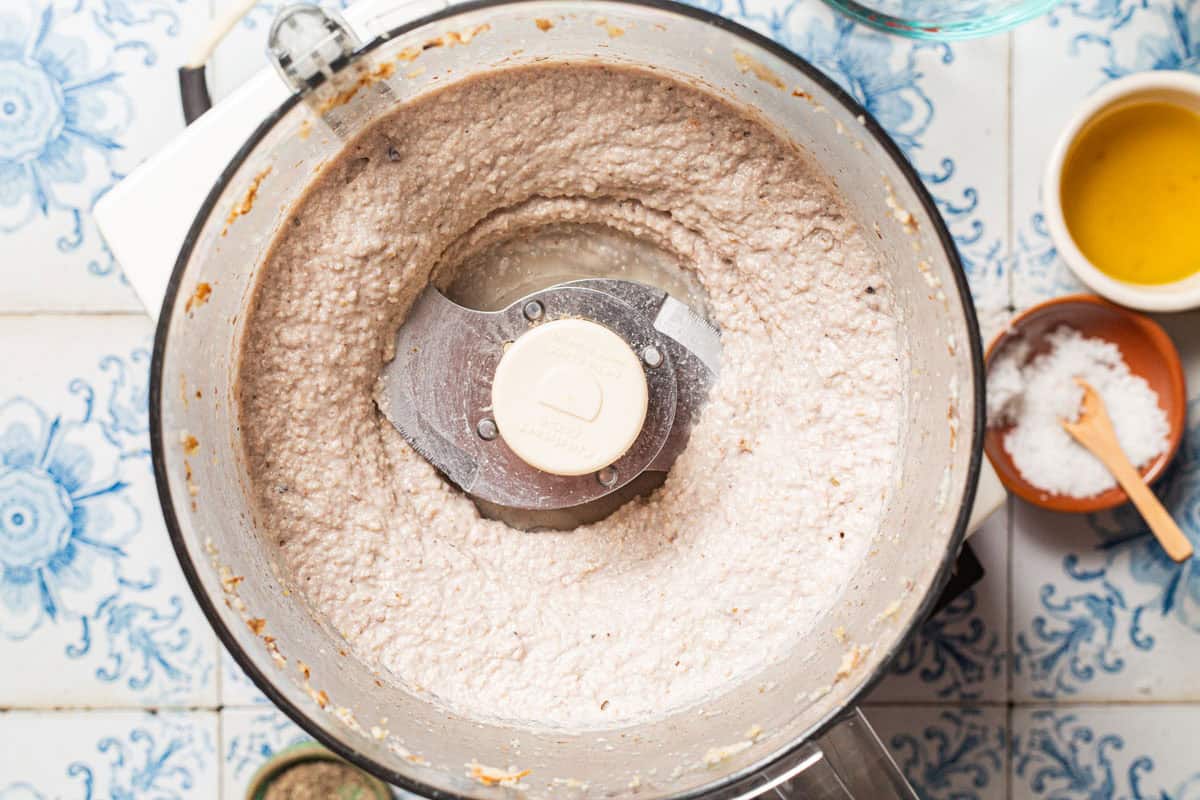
x: 1176, y: 410
x: 944, y: 32
x: 746, y: 780
x: 1178, y: 295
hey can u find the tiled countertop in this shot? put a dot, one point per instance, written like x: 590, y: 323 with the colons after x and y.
x: 1068, y: 672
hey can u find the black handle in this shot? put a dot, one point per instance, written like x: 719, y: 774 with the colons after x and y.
x: 193, y: 93
x: 967, y: 572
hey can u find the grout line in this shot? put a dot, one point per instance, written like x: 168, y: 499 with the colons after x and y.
x: 1011, y: 276
x: 72, y: 314
x: 942, y: 703
x: 219, y: 680
x: 1103, y: 702
x: 83, y: 709
x: 930, y: 704
x: 76, y: 709
x: 1010, y: 511
x: 1092, y: 702
x: 1010, y: 159
x: 1010, y: 508
x: 220, y: 754
x: 1011, y: 704
x: 1009, y: 745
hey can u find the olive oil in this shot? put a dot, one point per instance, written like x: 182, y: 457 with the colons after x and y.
x: 1131, y: 193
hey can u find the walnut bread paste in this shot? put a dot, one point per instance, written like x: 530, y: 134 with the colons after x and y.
x: 673, y: 598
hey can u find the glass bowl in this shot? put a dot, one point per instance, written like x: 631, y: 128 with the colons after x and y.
x: 943, y: 19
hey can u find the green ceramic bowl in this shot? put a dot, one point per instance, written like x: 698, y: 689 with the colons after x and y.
x: 309, y: 766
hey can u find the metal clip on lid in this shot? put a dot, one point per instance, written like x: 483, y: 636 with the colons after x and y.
x: 308, y: 44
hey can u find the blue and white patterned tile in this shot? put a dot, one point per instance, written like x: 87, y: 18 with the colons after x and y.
x: 87, y: 90
x: 1083, y: 45
x: 959, y: 655
x: 1106, y: 752
x: 1097, y: 615
x: 249, y: 737
x: 1100, y: 612
x: 88, y: 756
x: 1104, y: 614
x: 913, y: 89
x: 236, y: 687
x: 947, y: 753
x: 94, y: 610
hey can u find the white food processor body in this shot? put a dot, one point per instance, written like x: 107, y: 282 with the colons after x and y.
x: 233, y: 178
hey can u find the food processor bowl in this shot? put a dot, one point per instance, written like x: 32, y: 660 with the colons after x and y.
x: 759, y: 732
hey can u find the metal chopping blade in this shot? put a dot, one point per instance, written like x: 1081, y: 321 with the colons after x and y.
x: 437, y: 393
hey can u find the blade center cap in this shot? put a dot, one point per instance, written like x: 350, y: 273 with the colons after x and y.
x: 569, y: 397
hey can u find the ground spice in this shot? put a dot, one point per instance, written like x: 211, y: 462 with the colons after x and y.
x: 320, y: 781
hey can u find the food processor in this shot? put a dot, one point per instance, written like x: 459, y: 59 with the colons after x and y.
x: 217, y: 197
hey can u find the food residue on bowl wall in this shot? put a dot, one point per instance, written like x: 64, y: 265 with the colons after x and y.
x: 246, y: 204
x: 493, y: 776
x: 760, y: 70
x: 199, y: 296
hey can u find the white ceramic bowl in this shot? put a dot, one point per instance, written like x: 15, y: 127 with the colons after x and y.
x: 1179, y: 88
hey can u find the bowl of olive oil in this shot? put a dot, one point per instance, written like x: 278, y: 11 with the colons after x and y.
x: 1122, y: 192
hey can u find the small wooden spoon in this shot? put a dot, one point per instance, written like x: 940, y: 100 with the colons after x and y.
x: 1094, y: 430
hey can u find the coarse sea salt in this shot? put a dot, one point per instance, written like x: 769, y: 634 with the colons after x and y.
x: 1033, y: 394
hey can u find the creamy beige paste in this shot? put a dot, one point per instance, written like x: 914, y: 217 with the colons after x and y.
x: 762, y: 519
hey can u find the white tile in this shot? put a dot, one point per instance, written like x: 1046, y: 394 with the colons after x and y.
x: 126, y: 754
x: 243, y: 51
x: 1041, y: 108
x: 947, y: 753
x: 960, y: 655
x: 963, y: 158
x: 1138, y: 752
x: 94, y: 610
x: 104, y: 75
x: 250, y: 736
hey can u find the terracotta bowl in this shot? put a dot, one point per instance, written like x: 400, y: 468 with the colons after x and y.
x: 1147, y: 350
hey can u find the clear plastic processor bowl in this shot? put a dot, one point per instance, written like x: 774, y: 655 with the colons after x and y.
x: 944, y: 19
x: 341, y: 78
